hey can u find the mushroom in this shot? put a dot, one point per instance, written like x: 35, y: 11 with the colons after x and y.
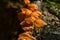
x: 36, y: 14
x: 27, y: 2
x: 26, y: 36
x: 26, y: 11
x: 32, y: 7
x: 28, y: 28
x: 21, y: 16
x: 39, y: 23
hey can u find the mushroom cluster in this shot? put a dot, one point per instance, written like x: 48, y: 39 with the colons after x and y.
x: 29, y: 18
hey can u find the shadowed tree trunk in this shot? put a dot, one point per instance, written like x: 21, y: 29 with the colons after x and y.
x: 8, y: 22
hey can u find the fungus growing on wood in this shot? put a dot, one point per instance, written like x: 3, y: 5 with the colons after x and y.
x: 30, y: 17
x: 26, y: 11
x: 21, y: 16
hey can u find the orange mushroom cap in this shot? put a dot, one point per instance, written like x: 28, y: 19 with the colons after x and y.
x: 27, y: 12
x: 29, y: 20
x: 33, y: 18
x: 23, y: 10
x: 21, y: 16
x: 36, y: 14
x: 32, y: 7
x: 27, y: 2
x: 39, y: 23
x: 24, y: 24
x: 26, y: 36
x: 30, y: 28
